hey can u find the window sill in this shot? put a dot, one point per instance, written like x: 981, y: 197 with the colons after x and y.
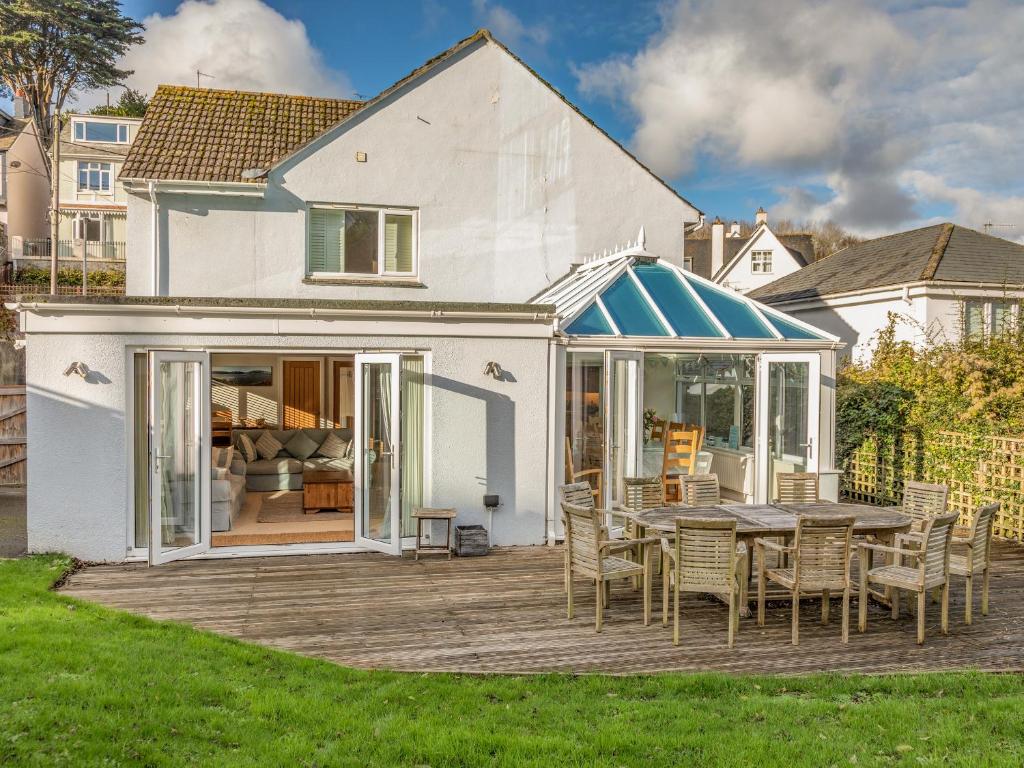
x: 377, y: 282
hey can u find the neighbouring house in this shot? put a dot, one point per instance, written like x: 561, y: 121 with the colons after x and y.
x: 940, y: 282
x: 93, y: 200
x: 339, y: 311
x: 744, y: 263
x: 24, y: 180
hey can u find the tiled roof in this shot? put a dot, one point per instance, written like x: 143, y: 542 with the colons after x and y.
x: 203, y: 134
x: 699, y: 250
x: 941, y: 252
x: 10, y: 131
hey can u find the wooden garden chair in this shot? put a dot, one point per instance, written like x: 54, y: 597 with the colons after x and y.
x: 640, y: 493
x: 581, y: 495
x: 700, y: 490
x: 658, y: 430
x: 820, y: 557
x: 977, y: 559
x: 592, y: 554
x: 681, y: 446
x: 929, y: 570
x: 796, y: 487
x: 704, y: 558
x: 573, y: 476
x: 922, y: 501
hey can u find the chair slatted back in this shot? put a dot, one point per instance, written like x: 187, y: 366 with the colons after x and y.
x: 706, y: 554
x: 981, y: 535
x: 578, y: 494
x: 658, y: 430
x: 924, y: 500
x: 681, y: 446
x: 822, y: 551
x: 700, y: 490
x: 583, y: 535
x: 796, y: 487
x: 570, y: 468
x: 641, y: 493
x: 938, y: 536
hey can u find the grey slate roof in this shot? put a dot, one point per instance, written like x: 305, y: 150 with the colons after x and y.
x: 800, y: 245
x: 939, y: 253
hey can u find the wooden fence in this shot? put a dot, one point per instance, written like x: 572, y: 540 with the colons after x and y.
x: 13, y: 443
x: 996, y: 474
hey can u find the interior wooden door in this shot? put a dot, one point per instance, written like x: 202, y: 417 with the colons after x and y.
x: 342, y: 393
x: 300, y: 394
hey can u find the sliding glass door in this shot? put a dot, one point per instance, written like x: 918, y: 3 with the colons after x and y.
x: 179, y: 456
x: 377, y: 470
x: 789, y: 388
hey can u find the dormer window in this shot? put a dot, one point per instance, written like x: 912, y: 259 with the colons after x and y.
x: 761, y: 262
x: 109, y: 133
x: 360, y: 241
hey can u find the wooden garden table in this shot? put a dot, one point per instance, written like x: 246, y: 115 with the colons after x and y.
x: 758, y: 520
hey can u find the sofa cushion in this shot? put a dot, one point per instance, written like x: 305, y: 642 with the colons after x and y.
x: 324, y: 462
x: 268, y: 446
x: 219, y: 473
x: 333, y: 446
x: 227, y: 490
x: 279, y: 466
x: 246, y: 448
x: 222, y: 456
x: 301, y: 446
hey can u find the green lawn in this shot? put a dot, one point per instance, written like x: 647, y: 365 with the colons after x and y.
x: 83, y: 685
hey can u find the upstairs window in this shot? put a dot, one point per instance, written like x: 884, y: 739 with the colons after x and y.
x: 111, y: 133
x: 361, y: 241
x: 761, y: 262
x: 93, y: 177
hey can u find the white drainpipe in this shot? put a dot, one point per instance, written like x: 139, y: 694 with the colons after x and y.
x: 156, y: 238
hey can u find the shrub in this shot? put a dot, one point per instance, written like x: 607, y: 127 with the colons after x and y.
x: 68, y: 276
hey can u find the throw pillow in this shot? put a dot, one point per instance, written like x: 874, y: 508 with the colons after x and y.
x: 333, y: 446
x: 268, y: 446
x: 350, y: 450
x: 346, y: 463
x: 220, y: 473
x: 301, y: 446
x: 222, y: 456
x: 246, y: 447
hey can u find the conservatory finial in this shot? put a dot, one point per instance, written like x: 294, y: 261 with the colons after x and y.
x: 641, y: 238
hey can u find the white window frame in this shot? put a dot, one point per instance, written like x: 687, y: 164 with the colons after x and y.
x: 121, y: 127
x: 382, y: 212
x: 988, y: 319
x: 88, y: 165
x: 761, y: 262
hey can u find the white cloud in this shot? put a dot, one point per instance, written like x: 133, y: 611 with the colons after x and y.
x: 243, y: 44
x: 508, y: 27
x: 848, y: 95
x: 972, y: 207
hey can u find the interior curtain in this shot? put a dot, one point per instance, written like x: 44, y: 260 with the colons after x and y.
x: 411, y: 450
x: 169, y: 427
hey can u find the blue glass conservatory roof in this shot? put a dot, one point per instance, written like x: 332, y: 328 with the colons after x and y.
x: 632, y: 293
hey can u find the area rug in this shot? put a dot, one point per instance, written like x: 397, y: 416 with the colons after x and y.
x: 287, y: 508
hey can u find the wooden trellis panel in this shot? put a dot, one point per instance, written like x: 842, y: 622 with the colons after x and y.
x: 13, y: 444
x: 874, y: 477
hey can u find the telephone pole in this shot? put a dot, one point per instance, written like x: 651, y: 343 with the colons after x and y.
x: 55, y: 205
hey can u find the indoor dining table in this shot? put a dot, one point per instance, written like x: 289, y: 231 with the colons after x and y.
x: 776, y: 520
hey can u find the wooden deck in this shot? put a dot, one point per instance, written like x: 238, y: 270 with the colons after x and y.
x: 506, y: 613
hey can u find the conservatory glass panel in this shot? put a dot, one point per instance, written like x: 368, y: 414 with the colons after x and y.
x: 591, y: 322
x: 732, y: 312
x: 630, y: 311
x: 790, y: 330
x: 675, y: 302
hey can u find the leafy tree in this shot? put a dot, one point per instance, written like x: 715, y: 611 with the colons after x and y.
x: 53, y: 48
x: 131, y: 103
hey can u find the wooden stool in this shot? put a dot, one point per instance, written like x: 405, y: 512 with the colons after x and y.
x: 426, y: 513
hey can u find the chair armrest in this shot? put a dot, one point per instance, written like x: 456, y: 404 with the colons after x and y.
x: 618, y: 545
x: 585, y: 472
x: 963, y: 541
x: 773, y: 545
x: 915, y: 553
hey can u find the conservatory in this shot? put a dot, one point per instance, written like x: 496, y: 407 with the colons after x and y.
x: 642, y: 343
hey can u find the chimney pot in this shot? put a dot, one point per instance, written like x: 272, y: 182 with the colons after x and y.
x: 22, y: 110
x: 717, y: 246
x: 734, y: 229
x: 761, y: 216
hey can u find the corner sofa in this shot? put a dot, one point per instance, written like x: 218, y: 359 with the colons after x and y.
x: 284, y: 472
x: 227, y: 492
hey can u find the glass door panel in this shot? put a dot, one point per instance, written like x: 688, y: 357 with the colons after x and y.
x: 377, y: 461
x: 623, y: 418
x: 584, y: 421
x: 789, y: 395
x: 179, y: 523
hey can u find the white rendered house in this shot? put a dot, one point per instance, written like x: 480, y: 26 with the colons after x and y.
x: 385, y: 299
x: 939, y: 282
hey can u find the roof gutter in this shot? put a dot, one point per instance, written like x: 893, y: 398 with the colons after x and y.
x: 182, y: 187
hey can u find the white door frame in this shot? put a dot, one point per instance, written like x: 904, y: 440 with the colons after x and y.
x: 633, y: 425
x: 394, y: 546
x: 763, y: 464
x: 201, y: 415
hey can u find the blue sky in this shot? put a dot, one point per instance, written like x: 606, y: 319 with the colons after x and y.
x: 879, y: 114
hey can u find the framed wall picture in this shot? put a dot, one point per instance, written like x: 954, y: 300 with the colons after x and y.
x: 243, y: 375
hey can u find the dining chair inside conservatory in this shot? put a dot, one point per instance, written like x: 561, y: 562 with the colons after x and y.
x: 658, y: 430
x: 928, y: 569
x: 593, y: 476
x: 681, y: 446
x: 590, y: 553
x: 796, y: 487
x: 704, y: 558
x: 976, y: 559
x: 700, y: 490
x: 820, y: 558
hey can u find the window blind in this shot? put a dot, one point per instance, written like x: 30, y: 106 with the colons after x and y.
x: 326, y: 240
x: 397, y: 243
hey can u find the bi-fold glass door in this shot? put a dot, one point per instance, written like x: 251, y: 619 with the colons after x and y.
x: 179, y: 455
x: 789, y: 389
x: 377, y: 470
x: 623, y: 413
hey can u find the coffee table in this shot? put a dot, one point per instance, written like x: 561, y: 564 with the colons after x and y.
x: 327, y: 489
